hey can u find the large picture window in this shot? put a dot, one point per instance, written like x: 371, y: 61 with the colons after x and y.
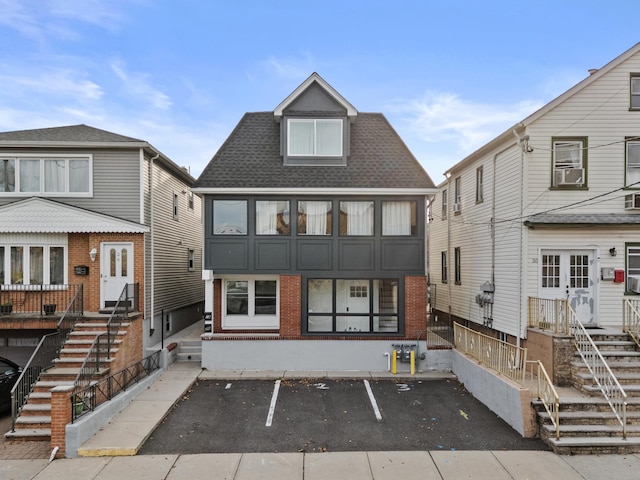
x: 399, y: 218
x: 315, y: 137
x: 314, y: 218
x: 47, y: 176
x: 352, y: 306
x: 272, y: 217
x: 356, y: 218
x: 250, y: 303
x: 229, y: 217
x: 32, y: 265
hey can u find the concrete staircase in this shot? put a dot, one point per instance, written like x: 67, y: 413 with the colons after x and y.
x: 587, y: 423
x: 34, y: 421
x: 189, y: 351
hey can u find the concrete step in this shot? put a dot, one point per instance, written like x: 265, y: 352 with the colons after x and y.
x: 594, y: 430
x: 589, y: 418
x: 26, y: 422
x: 594, y: 445
x: 33, y: 434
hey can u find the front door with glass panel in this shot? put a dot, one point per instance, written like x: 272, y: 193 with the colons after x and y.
x: 116, y: 271
x: 352, y: 297
x: 569, y: 274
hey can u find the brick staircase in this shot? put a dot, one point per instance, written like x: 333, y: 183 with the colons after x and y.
x: 587, y: 423
x: 34, y: 421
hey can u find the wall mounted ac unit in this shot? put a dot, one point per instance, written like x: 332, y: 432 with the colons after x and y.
x: 569, y: 176
x: 457, y: 207
x: 634, y: 283
x: 632, y: 201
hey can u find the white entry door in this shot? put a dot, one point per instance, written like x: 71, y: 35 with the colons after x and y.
x: 570, y: 274
x: 116, y: 270
x: 352, y: 296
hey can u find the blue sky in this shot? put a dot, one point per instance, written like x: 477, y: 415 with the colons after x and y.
x: 449, y: 75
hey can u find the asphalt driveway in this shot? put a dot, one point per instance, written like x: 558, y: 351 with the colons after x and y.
x: 331, y: 415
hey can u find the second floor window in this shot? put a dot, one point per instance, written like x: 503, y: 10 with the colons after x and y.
x: 458, y: 265
x: 314, y: 218
x: 48, y: 176
x: 272, y: 217
x: 315, y: 137
x: 634, y: 103
x: 479, y: 185
x: 229, y: 217
x: 633, y: 163
x: 356, y: 218
x: 569, y: 162
x: 399, y: 218
x: 457, y: 194
x: 445, y: 205
x: 443, y: 262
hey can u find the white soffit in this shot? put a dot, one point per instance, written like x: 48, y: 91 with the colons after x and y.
x: 39, y: 215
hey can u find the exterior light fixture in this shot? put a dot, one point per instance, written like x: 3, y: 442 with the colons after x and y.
x: 612, y: 251
x: 92, y: 254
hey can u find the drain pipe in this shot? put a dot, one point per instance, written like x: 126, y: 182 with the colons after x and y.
x: 152, y: 244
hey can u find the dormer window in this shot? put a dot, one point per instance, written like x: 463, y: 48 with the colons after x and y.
x: 320, y: 137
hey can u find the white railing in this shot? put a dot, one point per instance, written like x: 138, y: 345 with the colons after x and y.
x: 602, y: 374
x: 506, y: 359
x: 631, y: 318
x: 548, y: 314
x: 547, y: 393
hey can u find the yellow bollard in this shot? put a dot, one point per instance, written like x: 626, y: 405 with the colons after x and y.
x: 393, y: 362
x: 413, y: 362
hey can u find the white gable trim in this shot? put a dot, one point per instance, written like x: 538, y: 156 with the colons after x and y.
x: 351, y: 110
x: 40, y: 215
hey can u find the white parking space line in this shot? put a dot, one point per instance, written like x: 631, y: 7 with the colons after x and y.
x: 374, y: 404
x: 274, y: 399
x: 228, y: 386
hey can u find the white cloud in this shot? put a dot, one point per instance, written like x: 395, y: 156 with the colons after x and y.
x: 137, y: 86
x: 51, y: 81
x: 445, y: 117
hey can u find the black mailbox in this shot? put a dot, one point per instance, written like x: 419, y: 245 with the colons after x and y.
x: 81, y: 270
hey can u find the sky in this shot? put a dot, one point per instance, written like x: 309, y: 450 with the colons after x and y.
x: 449, y: 75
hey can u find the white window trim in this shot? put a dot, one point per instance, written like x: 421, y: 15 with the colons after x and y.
x: 26, y: 263
x: 250, y: 321
x: 19, y: 156
x: 315, y: 137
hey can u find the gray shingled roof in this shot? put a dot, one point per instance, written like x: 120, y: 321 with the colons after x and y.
x: 72, y: 133
x: 250, y: 158
x: 577, y: 219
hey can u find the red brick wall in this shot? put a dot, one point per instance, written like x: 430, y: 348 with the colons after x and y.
x: 415, y: 306
x: 60, y: 416
x: 217, y: 306
x: 290, y: 305
x: 79, y: 247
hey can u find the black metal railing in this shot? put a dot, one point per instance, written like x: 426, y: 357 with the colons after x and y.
x: 128, y: 301
x: 86, y: 398
x: 43, y: 357
x: 36, y: 299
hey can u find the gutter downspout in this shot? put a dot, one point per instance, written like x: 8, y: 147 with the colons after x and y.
x: 522, y: 192
x: 152, y: 244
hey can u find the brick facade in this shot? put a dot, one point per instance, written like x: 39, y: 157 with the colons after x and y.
x: 290, y: 305
x: 415, y: 306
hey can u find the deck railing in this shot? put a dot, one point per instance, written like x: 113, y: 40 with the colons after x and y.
x: 546, y: 393
x: 631, y: 318
x: 506, y: 359
x: 549, y: 314
x: 36, y: 299
x: 599, y: 369
x: 44, y: 355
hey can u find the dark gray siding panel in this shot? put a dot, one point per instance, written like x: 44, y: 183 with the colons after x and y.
x: 314, y: 255
x: 229, y: 255
x: 407, y: 256
x: 272, y: 255
x: 356, y: 255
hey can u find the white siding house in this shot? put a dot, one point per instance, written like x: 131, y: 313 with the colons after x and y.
x: 540, y: 210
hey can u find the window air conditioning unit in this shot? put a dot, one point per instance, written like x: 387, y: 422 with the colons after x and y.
x: 634, y: 283
x: 457, y: 207
x: 569, y: 176
x: 632, y: 201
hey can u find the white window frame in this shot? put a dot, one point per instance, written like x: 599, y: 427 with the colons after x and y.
x: 17, y: 157
x: 251, y: 321
x: 190, y: 200
x: 445, y: 204
x: 315, y: 122
x: 26, y: 263
x: 632, y: 169
x: 634, y: 92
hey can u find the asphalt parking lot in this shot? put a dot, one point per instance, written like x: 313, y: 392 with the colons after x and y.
x: 331, y: 415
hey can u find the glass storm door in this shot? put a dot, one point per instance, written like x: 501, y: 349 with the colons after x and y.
x: 116, y: 270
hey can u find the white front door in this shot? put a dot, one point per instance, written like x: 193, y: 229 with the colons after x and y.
x: 116, y: 270
x: 352, y: 296
x: 569, y: 274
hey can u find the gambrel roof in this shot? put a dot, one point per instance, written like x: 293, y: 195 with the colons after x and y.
x: 42, y: 215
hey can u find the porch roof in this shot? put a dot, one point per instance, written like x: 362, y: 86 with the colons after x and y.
x: 41, y: 215
x: 581, y: 220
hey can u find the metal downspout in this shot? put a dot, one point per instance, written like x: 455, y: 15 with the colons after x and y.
x: 152, y: 244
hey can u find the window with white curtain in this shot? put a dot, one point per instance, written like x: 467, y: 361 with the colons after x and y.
x: 315, y: 137
x: 272, y: 217
x: 46, y: 175
x: 32, y: 264
x: 356, y: 218
x: 633, y: 163
x: 314, y: 217
x: 399, y: 218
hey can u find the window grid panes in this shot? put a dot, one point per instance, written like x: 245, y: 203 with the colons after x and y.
x: 352, y: 306
x: 633, y: 263
x: 550, y: 271
x: 32, y: 265
x: 579, y: 271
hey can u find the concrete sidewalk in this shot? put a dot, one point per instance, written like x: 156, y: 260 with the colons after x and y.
x: 111, y: 452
